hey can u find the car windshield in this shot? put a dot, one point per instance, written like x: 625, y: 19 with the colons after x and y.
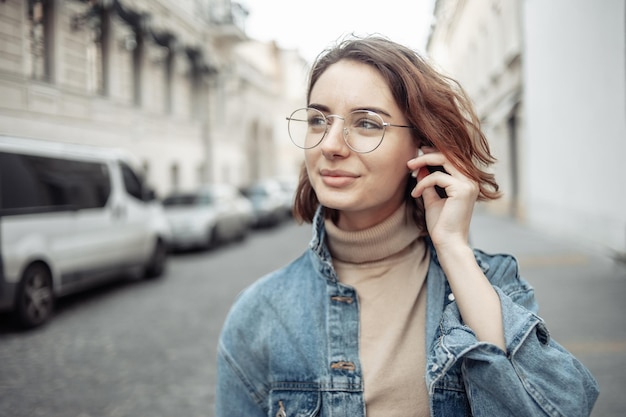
x: 186, y: 200
x: 255, y: 192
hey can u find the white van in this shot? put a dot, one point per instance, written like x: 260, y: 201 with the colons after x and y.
x: 71, y: 216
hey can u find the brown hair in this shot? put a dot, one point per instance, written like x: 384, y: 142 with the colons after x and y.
x: 435, y: 104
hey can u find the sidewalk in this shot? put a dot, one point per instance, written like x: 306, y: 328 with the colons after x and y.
x: 581, y: 294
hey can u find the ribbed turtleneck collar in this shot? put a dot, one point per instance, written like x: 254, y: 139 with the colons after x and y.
x: 387, y: 238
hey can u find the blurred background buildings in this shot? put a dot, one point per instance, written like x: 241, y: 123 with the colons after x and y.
x: 177, y: 83
x: 182, y: 86
x: 549, y: 83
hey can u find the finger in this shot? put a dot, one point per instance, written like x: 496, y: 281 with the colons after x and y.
x: 435, y: 161
x: 431, y: 158
x: 428, y: 181
x: 427, y: 165
x: 430, y: 196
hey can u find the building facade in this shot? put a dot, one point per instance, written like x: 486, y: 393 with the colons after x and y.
x: 251, y: 101
x: 160, y: 78
x: 479, y: 43
x: 549, y: 84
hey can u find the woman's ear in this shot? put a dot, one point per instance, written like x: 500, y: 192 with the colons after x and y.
x: 425, y: 142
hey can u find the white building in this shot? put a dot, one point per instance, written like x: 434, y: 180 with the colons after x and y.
x: 251, y: 103
x: 160, y: 78
x: 549, y: 83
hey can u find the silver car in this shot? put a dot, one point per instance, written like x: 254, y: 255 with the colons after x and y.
x: 270, y: 204
x: 207, y: 217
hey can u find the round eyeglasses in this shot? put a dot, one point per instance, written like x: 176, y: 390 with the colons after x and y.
x: 363, y: 130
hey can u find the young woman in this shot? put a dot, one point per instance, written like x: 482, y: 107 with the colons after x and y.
x: 389, y: 311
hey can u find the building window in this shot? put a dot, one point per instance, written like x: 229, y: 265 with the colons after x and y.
x: 199, y: 84
x: 97, y: 54
x: 145, y: 168
x: 40, y: 32
x: 175, y: 176
x: 138, y: 68
x: 95, y: 25
x: 168, y: 80
x: 201, y: 173
x: 195, y: 91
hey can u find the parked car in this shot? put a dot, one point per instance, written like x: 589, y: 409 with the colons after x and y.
x: 268, y: 201
x: 289, y: 187
x: 208, y: 216
x: 71, y: 217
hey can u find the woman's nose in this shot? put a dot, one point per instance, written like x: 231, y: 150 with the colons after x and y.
x: 334, y: 143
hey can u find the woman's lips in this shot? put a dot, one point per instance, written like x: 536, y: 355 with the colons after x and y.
x: 337, y: 178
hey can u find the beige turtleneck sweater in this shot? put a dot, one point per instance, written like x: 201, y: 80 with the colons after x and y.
x: 387, y: 266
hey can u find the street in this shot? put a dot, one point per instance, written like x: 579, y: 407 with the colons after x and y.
x: 147, y: 348
x: 136, y: 349
x: 581, y: 294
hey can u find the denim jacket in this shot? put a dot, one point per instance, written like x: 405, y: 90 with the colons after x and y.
x: 290, y: 347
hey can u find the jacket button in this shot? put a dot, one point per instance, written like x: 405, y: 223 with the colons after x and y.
x: 342, y: 299
x: 343, y: 365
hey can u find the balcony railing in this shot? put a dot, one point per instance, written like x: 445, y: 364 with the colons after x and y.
x: 228, y: 18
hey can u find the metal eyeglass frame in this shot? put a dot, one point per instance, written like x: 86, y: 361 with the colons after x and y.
x: 345, y: 130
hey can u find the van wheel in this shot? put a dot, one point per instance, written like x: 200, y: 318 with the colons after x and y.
x: 156, y: 264
x: 35, y: 299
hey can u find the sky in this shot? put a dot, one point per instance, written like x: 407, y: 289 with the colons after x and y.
x: 311, y: 26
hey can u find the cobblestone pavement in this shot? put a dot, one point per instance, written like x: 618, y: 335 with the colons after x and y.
x: 137, y: 349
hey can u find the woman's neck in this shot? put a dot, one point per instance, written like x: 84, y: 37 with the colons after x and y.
x: 384, y: 239
x: 360, y: 220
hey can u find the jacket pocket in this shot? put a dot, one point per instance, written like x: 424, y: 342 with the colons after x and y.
x: 292, y: 403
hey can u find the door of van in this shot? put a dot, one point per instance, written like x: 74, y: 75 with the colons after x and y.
x: 134, y: 217
x: 115, y: 237
x: 96, y: 237
x: 120, y: 236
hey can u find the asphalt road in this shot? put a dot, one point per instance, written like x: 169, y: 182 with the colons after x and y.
x: 147, y: 348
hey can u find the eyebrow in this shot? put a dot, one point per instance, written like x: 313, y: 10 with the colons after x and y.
x: 326, y: 109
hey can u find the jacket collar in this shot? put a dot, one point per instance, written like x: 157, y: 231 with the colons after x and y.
x: 321, y: 254
x: 437, y: 290
x: 437, y: 285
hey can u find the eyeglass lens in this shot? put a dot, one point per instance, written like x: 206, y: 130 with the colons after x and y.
x: 363, y: 130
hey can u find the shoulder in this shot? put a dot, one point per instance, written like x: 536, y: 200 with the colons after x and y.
x: 274, y: 293
x: 499, y: 268
x: 503, y: 271
x: 274, y: 313
x: 497, y: 265
x: 290, y: 277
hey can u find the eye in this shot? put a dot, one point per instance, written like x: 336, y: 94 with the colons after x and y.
x: 316, y: 120
x: 366, y: 121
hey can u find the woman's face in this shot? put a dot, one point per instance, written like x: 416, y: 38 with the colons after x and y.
x: 365, y: 188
